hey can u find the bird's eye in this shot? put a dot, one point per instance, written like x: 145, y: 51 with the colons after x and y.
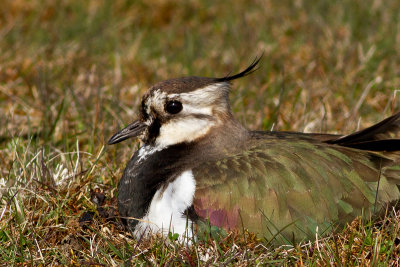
x: 173, y: 107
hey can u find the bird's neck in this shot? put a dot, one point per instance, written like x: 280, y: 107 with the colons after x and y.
x: 152, y: 167
x: 148, y: 171
x: 227, y: 137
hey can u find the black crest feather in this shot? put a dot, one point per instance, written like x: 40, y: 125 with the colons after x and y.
x: 249, y: 70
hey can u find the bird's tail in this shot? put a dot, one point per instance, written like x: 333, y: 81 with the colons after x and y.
x: 383, y: 136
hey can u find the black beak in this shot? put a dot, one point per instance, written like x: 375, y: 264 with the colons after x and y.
x: 132, y: 130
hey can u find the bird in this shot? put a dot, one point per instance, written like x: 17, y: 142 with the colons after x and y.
x: 199, y: 166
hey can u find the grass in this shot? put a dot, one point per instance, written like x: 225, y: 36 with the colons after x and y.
x: 72, y: 72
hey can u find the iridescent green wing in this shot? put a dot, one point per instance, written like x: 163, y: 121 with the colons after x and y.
x: 285, y: 189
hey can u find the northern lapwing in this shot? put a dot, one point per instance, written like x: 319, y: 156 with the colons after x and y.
x: 198, y: 163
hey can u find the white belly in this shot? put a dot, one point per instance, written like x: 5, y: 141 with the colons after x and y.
x: 167, y: 209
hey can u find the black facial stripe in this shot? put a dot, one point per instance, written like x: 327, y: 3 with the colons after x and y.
x: 143, y: 111
x: 202, y: 116
x: 154, y: 131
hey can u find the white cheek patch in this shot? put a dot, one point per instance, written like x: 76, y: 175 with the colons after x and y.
x: 195, y: 109
x: 167, y: 209
x: 186, y: 129
x: 203, y: 96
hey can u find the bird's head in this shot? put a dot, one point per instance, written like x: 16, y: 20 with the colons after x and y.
x: 182, y: 110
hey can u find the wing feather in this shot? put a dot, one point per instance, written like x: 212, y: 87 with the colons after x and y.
x: 292, y: 185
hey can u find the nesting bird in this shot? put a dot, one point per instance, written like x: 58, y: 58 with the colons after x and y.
x: 198, y: 163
